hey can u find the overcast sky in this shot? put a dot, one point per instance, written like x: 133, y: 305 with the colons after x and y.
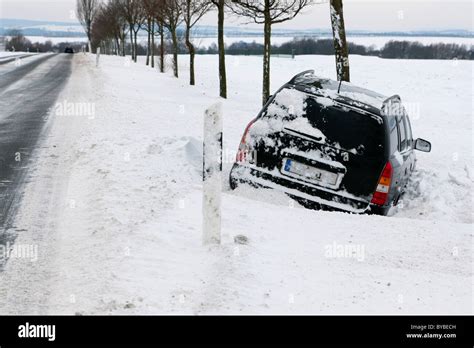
x: 380, y: 15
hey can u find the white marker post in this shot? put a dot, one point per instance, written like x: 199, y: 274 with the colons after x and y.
x: 212, y: 175
x: 97, y: 57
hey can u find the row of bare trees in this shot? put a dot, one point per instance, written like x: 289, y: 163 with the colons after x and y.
x: 113, y: 21
x: 109, y: 23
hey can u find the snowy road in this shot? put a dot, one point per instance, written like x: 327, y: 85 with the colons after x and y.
x: 28, y: 89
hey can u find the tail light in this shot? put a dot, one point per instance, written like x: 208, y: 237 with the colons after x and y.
x: 244, y: 147
x: 381, y: 192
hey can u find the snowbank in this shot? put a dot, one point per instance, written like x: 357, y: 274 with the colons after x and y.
x: 8, y: 56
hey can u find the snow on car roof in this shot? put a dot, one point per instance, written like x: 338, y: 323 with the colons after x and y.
x: 348, y: 93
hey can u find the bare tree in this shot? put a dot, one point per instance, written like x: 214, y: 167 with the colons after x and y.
x: 268, y: 12
x: 172, y: 18
x: 220, y: 4
x: 193, y: 11
x: 140, y: 19
x: 150, y: 7
x: 340, y: 43
x: 133, y: 12
x: 86, y: 12
x: 102, y: 31
x: 128, y: 12
x: 17, y: 41
x: 111, y: 25
x: 158, y: 12
x: 120, y: 24
x: 160, y: 30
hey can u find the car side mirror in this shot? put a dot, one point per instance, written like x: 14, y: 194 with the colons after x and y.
x: 422, y: 145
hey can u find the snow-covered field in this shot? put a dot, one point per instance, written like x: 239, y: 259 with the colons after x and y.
x: 55, y: 40
x: 376, y: 41
x: 380, y: 41
x: 7, y: 55
x: 114, y: 202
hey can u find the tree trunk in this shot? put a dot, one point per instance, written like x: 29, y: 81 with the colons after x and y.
x: 89, y: 35
x: 148, y: 50
x: 192, y: 53
x: 117, y: 46
x: 175, y: 51
x: 124, y: 41
x: 153, y: 46
x: 162, y: 49
x: 136, y: 46
x: 267, y: 33
x: 89, y: 42
x: 221, y: 44
x: 340, y: 43
x: 131, y: 43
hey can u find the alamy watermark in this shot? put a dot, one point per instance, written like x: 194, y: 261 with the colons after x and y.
x: 67, y: 108
x: 335, y: 250
x: 395, y: 108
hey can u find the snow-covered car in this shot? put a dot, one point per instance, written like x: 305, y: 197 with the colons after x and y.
x: 330, y: 145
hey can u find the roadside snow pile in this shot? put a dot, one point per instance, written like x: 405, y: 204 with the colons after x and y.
x: 426, y: 199
x: 115, y: 201
x: 9, y: 55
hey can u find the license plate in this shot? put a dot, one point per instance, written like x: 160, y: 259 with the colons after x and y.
x: 294, y: 168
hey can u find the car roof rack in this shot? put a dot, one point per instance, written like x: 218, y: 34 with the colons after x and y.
x: 302, y: 74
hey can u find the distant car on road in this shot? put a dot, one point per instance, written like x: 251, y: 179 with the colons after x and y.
x: 69, y: 50
x: 330, y: 146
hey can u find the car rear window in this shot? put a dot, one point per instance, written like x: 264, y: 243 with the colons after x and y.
x: 356, y: 132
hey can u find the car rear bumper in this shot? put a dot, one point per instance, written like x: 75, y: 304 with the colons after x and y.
x: 332, y: 200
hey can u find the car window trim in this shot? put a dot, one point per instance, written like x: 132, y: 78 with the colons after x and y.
x: 400, y: 121
x: 399, y: 147
x: 408, y: 124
